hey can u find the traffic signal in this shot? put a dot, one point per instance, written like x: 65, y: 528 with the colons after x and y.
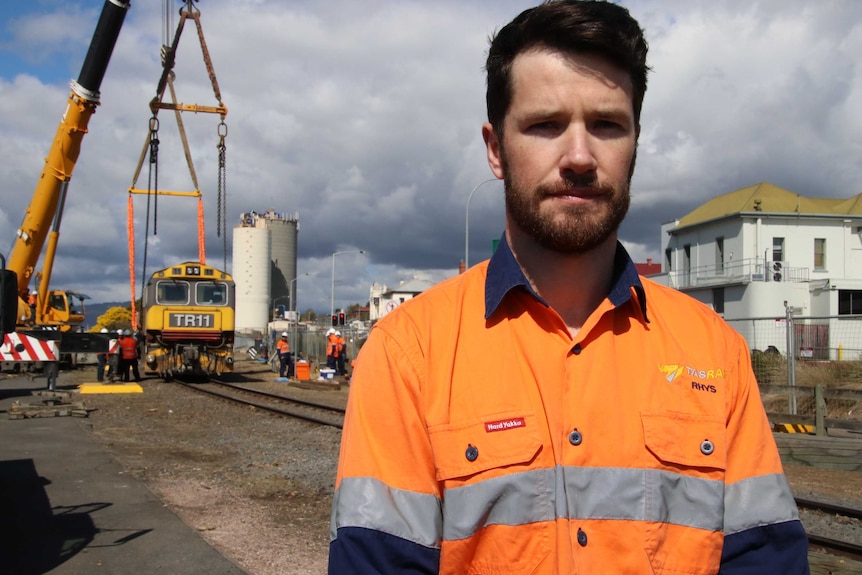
x: 334, y: 321
x: 341, y: 318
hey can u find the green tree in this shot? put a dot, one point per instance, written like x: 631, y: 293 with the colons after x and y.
x: 308, y: 315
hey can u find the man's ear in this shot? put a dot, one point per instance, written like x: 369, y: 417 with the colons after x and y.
x: 495, y: 152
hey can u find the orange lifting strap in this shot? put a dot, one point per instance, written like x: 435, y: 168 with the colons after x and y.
x: 130, y: 224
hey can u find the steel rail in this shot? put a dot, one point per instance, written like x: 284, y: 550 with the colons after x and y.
x: 305, y: 416
x: 277, y: 396
x: 827, y: 507
x: 845, y: 548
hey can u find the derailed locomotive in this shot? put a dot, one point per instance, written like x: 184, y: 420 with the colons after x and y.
x: 188, y: 321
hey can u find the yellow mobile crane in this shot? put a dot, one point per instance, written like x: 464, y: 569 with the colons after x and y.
x: 54, y: 308
x: 52, y: 311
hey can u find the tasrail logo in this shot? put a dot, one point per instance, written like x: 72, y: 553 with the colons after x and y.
x: 504, y: 424
x: 671, y: 372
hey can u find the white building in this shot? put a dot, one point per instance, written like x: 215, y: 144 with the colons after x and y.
x: 755, y: 252
x: 383, y: 300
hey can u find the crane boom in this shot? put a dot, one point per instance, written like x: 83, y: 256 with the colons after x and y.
x: 42, y: 219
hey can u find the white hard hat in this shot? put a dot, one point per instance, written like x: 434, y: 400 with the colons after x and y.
x: 119, y: 332
x: 337, y: 333
x: 284, y: 334
x: 127, y: 332
x: 103, y: 330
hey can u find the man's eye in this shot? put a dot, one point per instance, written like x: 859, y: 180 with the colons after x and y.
x: 607, y: 125
x: 545, y: 127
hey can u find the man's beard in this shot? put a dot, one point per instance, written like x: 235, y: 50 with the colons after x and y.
x: 572, y: 229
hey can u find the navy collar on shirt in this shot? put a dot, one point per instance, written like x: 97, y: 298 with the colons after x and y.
x: 504, y: 275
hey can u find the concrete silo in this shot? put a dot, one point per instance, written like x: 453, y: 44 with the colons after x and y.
x: 284, y: 230
x: 264, y: 264
x: 252, y: 274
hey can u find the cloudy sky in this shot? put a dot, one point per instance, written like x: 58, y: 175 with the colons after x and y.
x: 364, y: 118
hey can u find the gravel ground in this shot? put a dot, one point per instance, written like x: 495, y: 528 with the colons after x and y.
x: 258, y: 487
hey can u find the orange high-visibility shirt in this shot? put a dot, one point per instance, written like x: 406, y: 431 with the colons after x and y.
x: 332, y: 343
x: 128, y: 347
x: 282, y: 346
x: 481, y: 437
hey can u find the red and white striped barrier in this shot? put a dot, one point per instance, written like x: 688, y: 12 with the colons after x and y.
x: 21, y: 347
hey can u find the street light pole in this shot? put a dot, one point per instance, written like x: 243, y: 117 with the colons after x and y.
x: 332, y: 293
x: 291, y: 288
x: 467, y: 222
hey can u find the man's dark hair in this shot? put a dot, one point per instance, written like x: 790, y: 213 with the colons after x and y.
x: 591, y: 27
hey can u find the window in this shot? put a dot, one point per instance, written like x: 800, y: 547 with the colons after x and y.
x: 718, y: 300
x: 686, y: 265
x: 778, y: 249
x: 58, y: 302
x: 172, y: 292
x: 668, y: 259
x: 819, y: 253
x: 719, y: 256
x: 210, y: 293
x: 849, y: 302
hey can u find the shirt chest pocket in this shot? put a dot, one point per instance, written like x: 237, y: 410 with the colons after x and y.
x: 686, y: 440
x: 463, y: 449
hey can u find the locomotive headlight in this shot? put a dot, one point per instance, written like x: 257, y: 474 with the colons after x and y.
x: 228, y: 360
x: 150, y: 359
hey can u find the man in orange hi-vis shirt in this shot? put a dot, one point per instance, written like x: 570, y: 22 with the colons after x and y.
x: 617, y: 426
x: 285, y: 360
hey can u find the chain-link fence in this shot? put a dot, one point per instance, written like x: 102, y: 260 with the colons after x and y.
x: 824, y: 351
x: 826, y: 338
x: 307, y: 342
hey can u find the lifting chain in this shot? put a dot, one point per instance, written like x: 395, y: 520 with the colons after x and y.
x: 153, y: 181
x: 221, y: 224
x: 152, y: 191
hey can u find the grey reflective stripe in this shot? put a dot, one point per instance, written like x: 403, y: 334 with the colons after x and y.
x: 584, y: 493
x: 370, y: 503
x: 756, y: 501
x: 563, y: 492
x: 513, y: 499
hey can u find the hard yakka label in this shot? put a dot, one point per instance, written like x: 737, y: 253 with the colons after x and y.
x: 504, y: 424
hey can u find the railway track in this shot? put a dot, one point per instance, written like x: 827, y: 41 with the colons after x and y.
x: 838, y: 514
x: 278, y: 404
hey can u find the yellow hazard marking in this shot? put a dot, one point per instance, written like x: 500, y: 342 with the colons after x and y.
x: 793, y: 428
x: 110, y: 388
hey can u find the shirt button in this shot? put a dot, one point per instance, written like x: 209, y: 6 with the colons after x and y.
x: 577, y: 349
x: 472, y: 453
x: 582, y: 538
x: 575, y: 437
x: 707, y: 447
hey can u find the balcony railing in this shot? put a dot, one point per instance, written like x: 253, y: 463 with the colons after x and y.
x: 735, y: 272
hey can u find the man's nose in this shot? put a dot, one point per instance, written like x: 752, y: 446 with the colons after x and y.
x: 577, y: 151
